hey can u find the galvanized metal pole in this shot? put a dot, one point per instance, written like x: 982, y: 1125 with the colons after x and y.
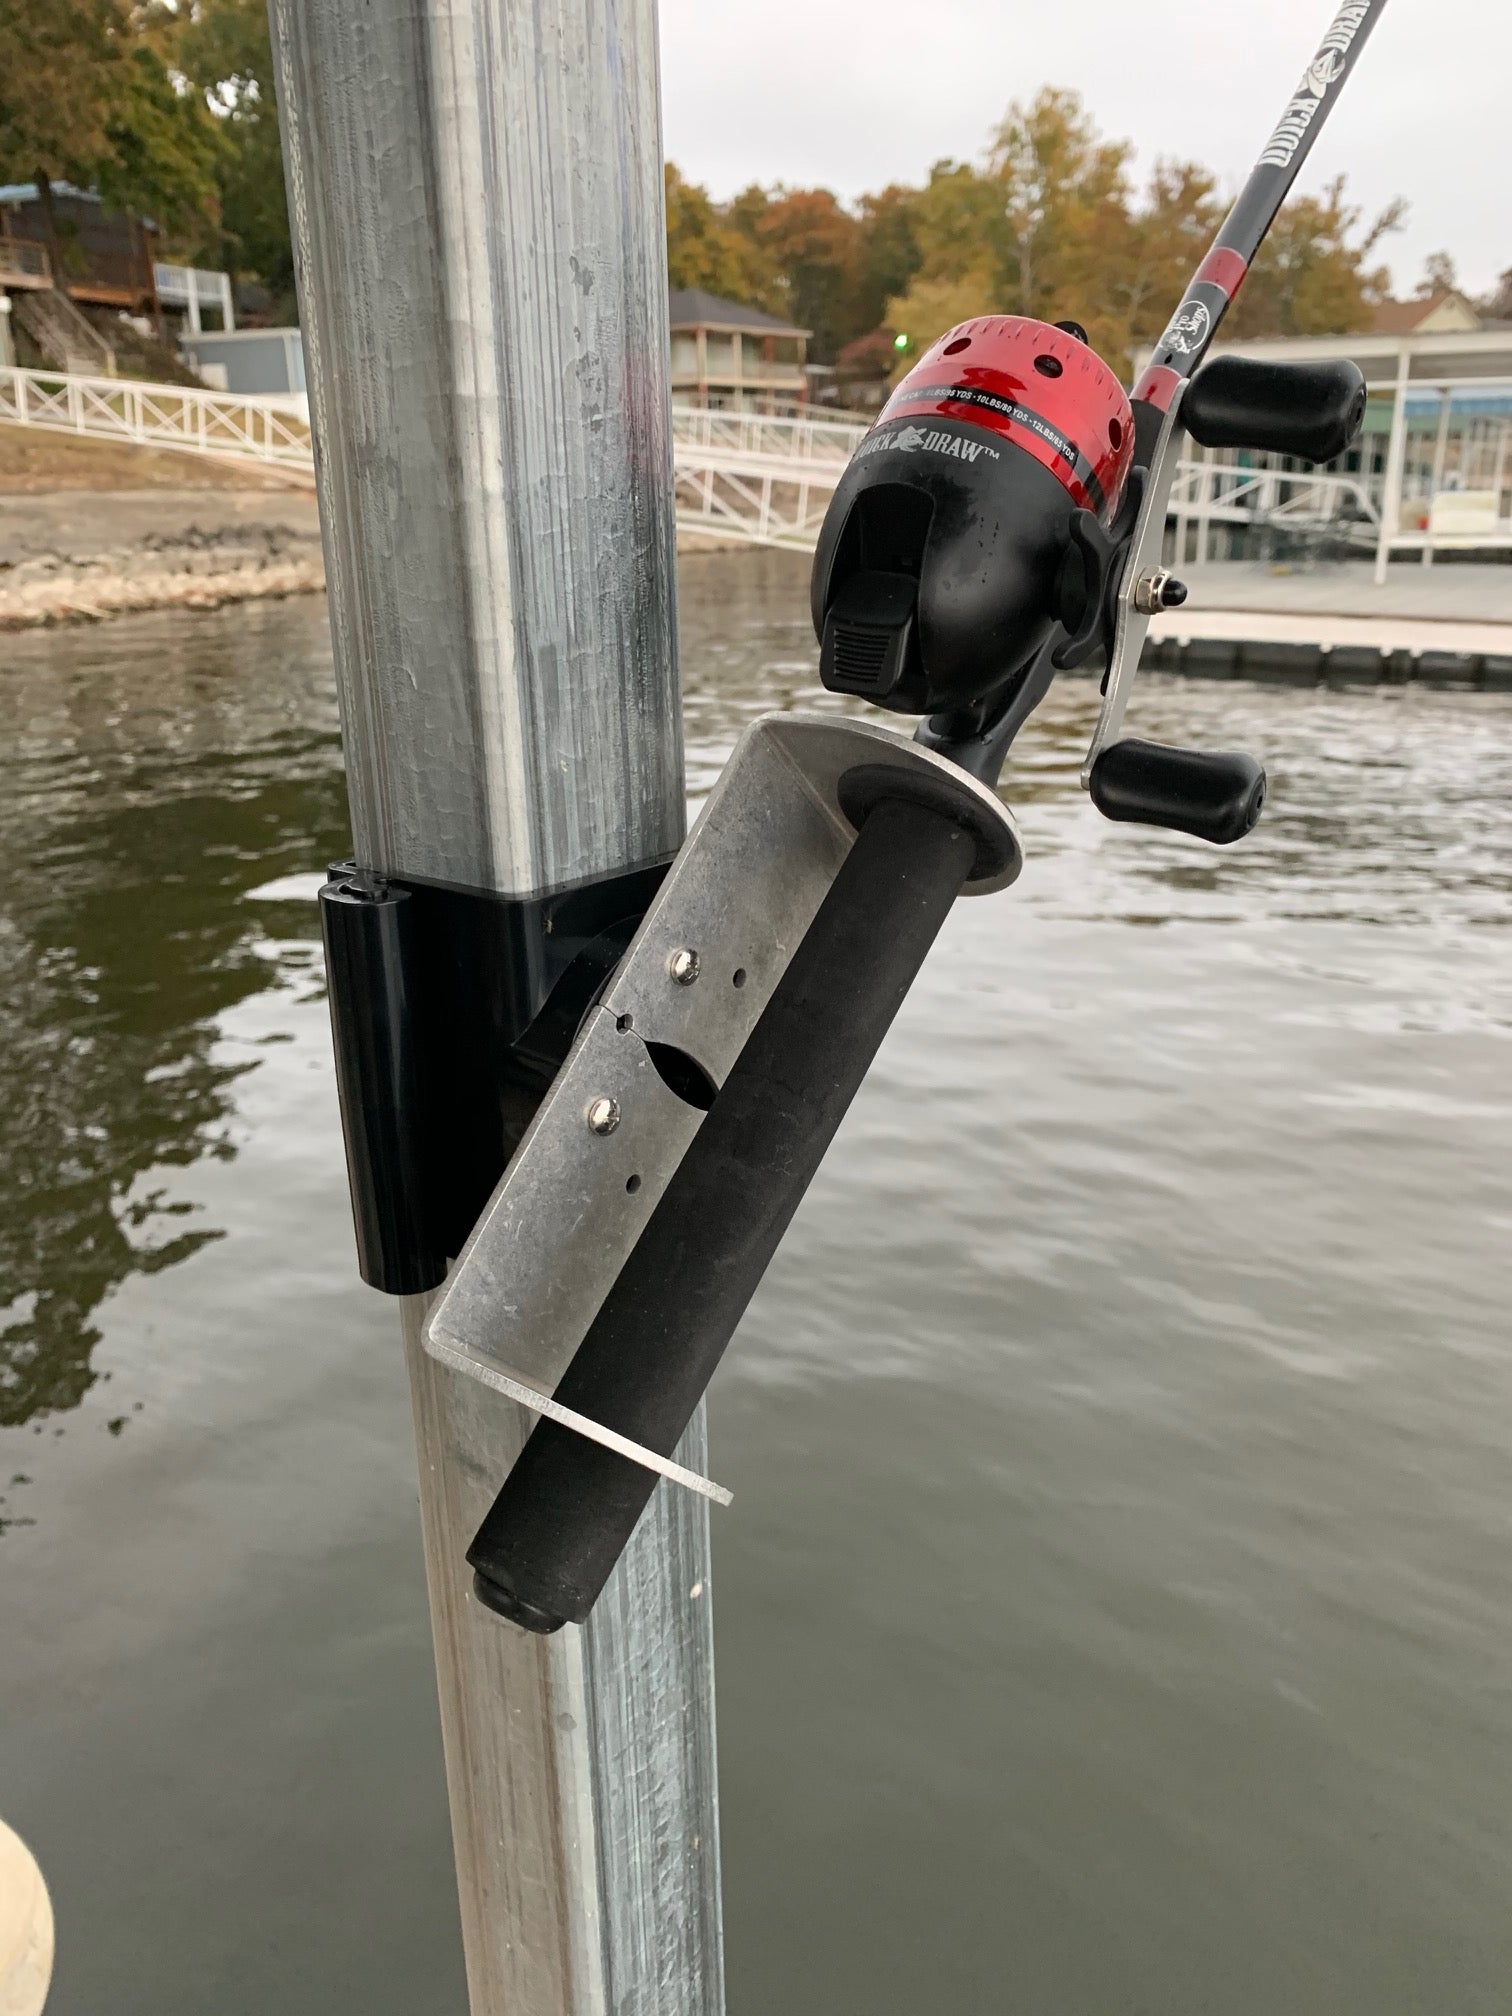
x: 475, y: 189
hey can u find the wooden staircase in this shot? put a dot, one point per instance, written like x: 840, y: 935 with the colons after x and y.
x: 67, y: 339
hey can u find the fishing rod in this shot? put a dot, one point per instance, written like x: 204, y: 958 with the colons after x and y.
x: 1002, y: 521
x: 1212, y: 288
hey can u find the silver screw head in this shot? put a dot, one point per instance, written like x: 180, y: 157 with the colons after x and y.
x: 603, y: 1115
x: 683, y: 966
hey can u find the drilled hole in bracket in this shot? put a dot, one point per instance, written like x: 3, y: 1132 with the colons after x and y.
x: 632, y: 1184
x: 738, y: 977
x: 683, y: 1075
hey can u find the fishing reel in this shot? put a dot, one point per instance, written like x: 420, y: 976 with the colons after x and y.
x: 1003, y: 521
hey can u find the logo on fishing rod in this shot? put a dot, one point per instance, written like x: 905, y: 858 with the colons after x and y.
x: 1188, y: 329
x: 1325, y: 70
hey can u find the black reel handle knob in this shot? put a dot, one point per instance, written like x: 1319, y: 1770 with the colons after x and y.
x: 1216, y: 795
x: 1312, y: 411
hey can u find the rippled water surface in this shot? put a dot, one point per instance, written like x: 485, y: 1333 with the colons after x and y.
x: 1115, y: 1610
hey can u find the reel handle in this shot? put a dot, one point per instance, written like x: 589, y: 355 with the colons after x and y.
x: 1312, y: 411
x: 1215, y: 795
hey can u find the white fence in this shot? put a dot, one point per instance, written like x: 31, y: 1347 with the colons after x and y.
x: 179, y: 417
x: 1208, y: 494
x: 755, y: 478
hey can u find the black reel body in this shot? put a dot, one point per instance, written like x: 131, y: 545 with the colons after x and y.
x: 937, y: 572
x: 947, y: 556
x: 991, y: 530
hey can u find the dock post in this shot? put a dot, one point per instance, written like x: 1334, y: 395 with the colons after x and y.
x: 476, y: 200
x: 1391, y: 482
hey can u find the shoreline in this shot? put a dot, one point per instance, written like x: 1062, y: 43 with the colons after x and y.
x: 53, y: 589
x: 70, y: 556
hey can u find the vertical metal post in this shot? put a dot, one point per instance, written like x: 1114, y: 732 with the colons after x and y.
x: 475, y: 192
x: 1440, y: 451
x: 1391, y: 487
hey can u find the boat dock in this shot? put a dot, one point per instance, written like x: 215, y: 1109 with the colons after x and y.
x: 1440, y: 625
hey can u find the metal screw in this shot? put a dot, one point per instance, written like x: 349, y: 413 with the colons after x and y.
x: 683, y: 966
x: 603, y: 1115
x: 1158, y: 590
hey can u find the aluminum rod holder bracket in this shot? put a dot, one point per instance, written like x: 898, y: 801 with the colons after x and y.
x: 653, y: 1052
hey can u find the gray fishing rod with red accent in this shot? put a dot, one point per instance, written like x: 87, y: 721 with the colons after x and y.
x: 1218, y: 279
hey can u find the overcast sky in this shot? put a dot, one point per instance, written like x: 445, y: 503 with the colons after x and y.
x: 853, y: 94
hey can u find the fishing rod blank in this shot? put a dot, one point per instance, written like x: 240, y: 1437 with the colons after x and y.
x: 1190, y: 331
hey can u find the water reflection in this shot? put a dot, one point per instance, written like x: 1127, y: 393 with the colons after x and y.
x: 1388, y: 805
x: 162, y: 770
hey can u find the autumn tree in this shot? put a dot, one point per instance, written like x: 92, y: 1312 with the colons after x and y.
x: 1312, y: 276
x: 705, y: 250
x: 811, y: 243
x: 959, y: 234
x: 59, y: 65
x: 1066, y: 203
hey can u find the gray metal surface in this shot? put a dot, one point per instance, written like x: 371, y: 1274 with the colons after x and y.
x: 475, y: 190
x: 1133, y: 622
x: 697, y: 976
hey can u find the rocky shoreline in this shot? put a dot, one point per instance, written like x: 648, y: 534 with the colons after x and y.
x: 71, y: 557
x: 191, y: 568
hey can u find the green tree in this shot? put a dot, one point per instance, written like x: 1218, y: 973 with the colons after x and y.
x: 89, y: 95
x: 929, y: 307
x: 162, y: 148
x: 887, y: 253
x: 959, y: 224
x: 224, y: 48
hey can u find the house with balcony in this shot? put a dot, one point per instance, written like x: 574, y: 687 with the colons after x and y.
x: 87, y: 257
x: 727, y: 355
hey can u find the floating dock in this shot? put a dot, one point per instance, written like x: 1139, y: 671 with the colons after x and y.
x: 1448, y: 625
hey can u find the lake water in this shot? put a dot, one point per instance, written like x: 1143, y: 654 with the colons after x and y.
x: 1116, y: 1609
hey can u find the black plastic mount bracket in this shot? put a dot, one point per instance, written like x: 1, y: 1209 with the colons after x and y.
x: 452, y: 1010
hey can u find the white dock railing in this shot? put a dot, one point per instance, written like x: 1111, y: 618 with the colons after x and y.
x: 182, y: 417
x: 753, y: 478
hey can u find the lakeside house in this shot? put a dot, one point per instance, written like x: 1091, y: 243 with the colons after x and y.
x: 69, y: 267
x: 727, y: 355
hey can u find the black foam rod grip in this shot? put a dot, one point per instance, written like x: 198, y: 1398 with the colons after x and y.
x: 1312, y: 411
x: 1215, y: 794
x: 569, y: 1505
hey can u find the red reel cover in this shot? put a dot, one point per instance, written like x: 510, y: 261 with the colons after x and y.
x: 1034, y: 385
